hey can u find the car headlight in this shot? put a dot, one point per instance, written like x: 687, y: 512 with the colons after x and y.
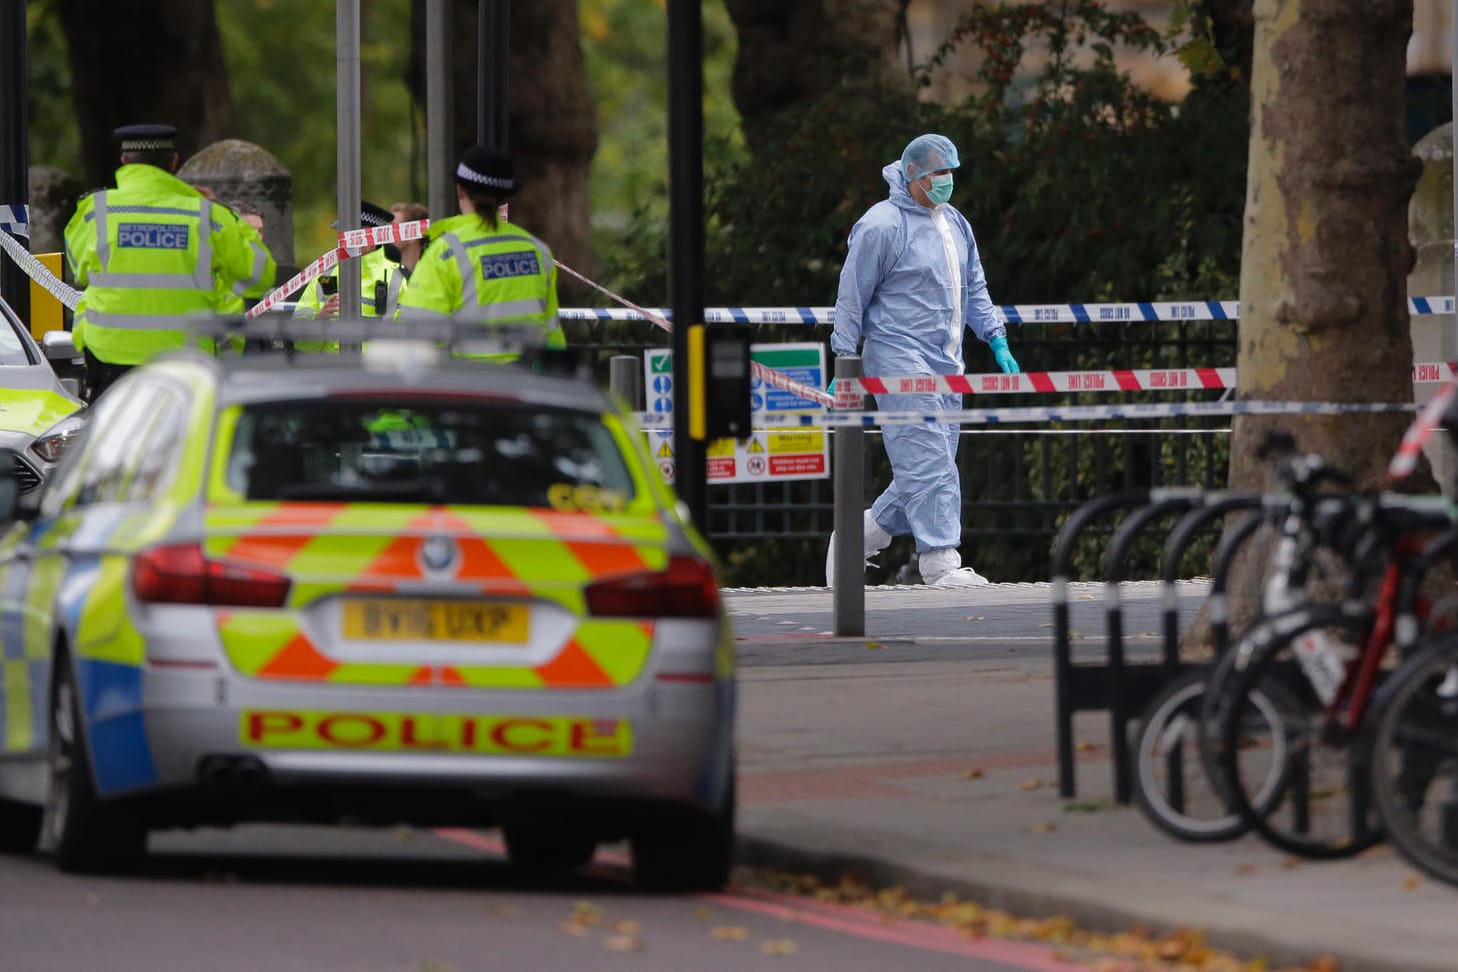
x: 52, y: 445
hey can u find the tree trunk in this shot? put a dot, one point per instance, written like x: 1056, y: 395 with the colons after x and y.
x: 1323, y: 314
x: 136, y: 61
x: 794, y: 52
x: 551, y: 119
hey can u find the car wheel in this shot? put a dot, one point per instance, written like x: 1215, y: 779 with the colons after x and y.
x: 687, y: 851
x: 84, y: 834
x: 20, y: 827
x: 532, y: 847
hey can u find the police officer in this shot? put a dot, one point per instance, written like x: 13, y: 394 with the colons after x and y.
x: 150, y: 252
x: 378, y: 269
x: 480, y: 269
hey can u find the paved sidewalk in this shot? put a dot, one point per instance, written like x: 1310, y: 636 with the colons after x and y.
x: 927, y: 759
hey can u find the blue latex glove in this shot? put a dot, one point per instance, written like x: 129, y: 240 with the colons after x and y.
x: 1005, y: 360
x: 830, y: 388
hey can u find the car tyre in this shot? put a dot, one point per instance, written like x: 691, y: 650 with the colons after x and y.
x: 20, y: 827
x: 687, y: 851
x: 532, y: 847
x: 84, y: 834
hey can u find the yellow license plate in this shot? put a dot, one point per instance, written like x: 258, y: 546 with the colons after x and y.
x: 393, y: 619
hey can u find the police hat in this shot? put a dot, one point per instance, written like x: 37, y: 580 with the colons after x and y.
x: 147, y: 138
x: 370, y: 215
x: 487, y: 168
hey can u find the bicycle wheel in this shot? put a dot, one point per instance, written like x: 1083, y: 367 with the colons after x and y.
x: 1172, y: 787
x: 1324, y: 809
x: 1415, y: 759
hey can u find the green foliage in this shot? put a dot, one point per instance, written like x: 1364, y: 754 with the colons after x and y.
x: 281, y: 58
x: 53, y: 137
x: 626, y: 46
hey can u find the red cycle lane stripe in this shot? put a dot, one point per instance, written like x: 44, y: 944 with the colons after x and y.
x: 844, y: 919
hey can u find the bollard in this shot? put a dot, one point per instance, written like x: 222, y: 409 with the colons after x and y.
x: 849, y: 489
x: 625, y: 378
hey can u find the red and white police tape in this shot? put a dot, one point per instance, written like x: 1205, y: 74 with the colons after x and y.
x: 847, y: 390
x: 1418, y: 433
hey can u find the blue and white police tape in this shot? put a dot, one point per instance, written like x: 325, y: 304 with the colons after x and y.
x: 15, y: 219
x: 1072, y: 413
x: 1140, y: 312
x: 39, y: 272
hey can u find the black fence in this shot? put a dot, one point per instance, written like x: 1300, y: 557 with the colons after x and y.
x: 1018, y: 484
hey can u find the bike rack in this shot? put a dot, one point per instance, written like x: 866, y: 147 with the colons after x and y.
x: 1129, y: 687
x: 1078, y: 688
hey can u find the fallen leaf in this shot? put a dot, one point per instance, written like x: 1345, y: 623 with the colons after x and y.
x: 1046, y: 624
x: 1042, y: 827
x: 586, y: 913
x: 622, y: 943
x: 873, y: 645
x: 1290, y: 863
x: 974, y: 617
x: 626, y: 927
x: 1030, y: 785
x: 1325, y: 963
x: 1086, y: 747
x: 973, y: 774
x: 730, y: 933
x: 1247, y: 869
x: 779, y: 946
x: 1412, y: 883
x: 1086, y: 806
x: 703, y: 914
x: 574, y: 928
x: 502, y: 910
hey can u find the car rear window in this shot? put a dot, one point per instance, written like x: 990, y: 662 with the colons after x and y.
x: 471, y: 453
x: 12, y: 348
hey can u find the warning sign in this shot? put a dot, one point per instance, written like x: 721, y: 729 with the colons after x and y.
x: 767, y: 455
x: 787, y: 466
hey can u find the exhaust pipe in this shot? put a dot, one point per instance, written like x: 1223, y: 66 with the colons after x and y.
x: 232, y: 773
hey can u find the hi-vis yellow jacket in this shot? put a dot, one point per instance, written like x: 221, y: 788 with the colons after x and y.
x: 155, y: 249
x: 481, y: 274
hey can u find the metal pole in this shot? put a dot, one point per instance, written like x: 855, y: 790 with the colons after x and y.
x: 849, y: 502
x: 1453, y: 132
x: 14, y: 147
x: 438, y: 129
x: 493, y: 49
x: 346, y: 29
x: 686, y: 236
x: 625, y: 378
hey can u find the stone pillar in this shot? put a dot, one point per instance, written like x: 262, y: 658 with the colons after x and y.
x: 1430, y: 227
x: 238, y: 170
x: 53, y: 197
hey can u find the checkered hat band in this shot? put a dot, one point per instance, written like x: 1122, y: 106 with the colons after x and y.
x: 471, y: 175
x: 370, y: 219
x: 146, y: 144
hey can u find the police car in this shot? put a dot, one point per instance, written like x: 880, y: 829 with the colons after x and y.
x: 39, y: 415
x: 387, y: 588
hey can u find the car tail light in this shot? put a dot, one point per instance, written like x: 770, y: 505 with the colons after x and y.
x: 685, y: 589
x: 182, y: 575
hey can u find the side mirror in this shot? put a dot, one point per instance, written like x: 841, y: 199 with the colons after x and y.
x: 58, y: 346
x: 9, y: 486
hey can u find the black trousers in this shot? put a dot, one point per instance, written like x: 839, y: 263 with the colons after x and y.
x: 100, y: 375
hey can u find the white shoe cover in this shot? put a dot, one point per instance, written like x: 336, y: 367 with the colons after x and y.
x: 874, y: 540
x: 943, y: 568
x: 961, y: 577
